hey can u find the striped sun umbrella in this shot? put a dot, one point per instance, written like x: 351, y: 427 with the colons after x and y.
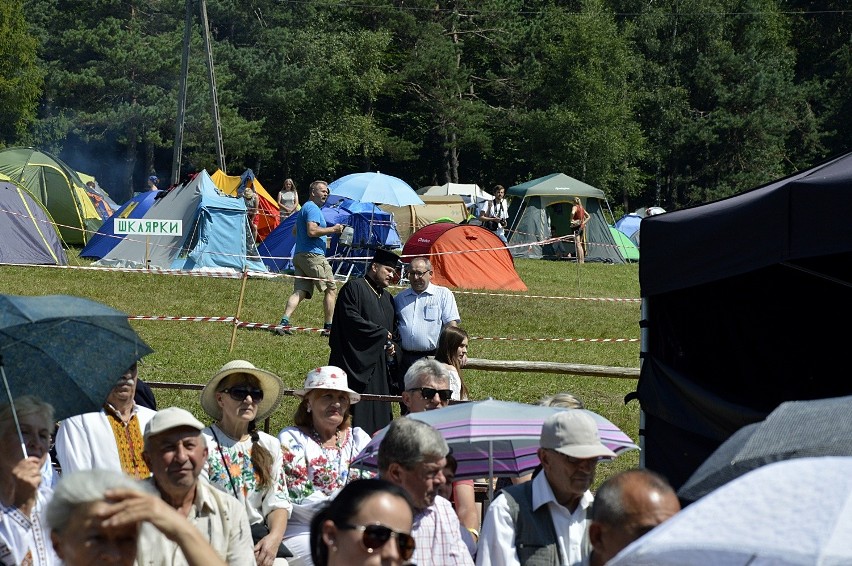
x: 494, y: 438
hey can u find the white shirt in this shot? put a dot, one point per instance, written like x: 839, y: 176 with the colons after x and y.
x: 421, y: 316
x: 86, y: 442
x: 220, y: 518
x: 498, y: 211
x: 20, y: 534
x: 497, y: 538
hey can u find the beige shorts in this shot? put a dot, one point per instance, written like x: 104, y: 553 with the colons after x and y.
x: 318, y: 272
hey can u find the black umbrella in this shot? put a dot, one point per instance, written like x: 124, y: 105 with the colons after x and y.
x: 795, y: 429
x: 68, y: 351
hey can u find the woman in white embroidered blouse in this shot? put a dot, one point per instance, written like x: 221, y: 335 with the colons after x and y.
x: 24, y: 533
x: 318, y: 450
x: 242, y: 460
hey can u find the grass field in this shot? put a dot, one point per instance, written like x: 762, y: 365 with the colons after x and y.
x: 191, y: 352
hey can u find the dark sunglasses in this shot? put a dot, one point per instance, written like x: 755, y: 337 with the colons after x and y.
x: 239, y: 393
x: 429, y: 393
x: 376, y: 536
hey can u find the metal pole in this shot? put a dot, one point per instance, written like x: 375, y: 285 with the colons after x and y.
x: 217, y: 126
x: 14, y: 412
x: 181, y: 110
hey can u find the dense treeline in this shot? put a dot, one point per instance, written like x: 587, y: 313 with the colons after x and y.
x: 669, y: 102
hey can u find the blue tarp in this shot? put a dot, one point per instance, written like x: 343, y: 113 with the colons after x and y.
x: 372, y: 228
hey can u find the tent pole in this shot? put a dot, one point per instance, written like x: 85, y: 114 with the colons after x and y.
x: 181, y: 110
x: 239, y: 309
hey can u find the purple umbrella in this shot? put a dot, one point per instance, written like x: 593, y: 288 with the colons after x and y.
x: 494, y: 438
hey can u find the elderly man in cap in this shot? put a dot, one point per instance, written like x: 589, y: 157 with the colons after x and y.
x: 361, y: 338
x: 110, y: 439
x: 544, y: 521
x: 413, y: 455
x: 175, y: 451
x: 628, y: 505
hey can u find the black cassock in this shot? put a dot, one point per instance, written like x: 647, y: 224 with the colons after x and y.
x: 363, y: 316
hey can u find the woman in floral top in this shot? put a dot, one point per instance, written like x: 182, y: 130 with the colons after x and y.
x: 318, y: 450
x: 244, y: 461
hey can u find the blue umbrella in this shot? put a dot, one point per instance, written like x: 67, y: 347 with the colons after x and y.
x: 68, y: 351
x: 376, y: 188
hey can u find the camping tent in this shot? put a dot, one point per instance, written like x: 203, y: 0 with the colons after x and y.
x: 544, y: 203
x: 473, y: 196
x: 629, y: 226
x: 744, y: 302
x: 59, y: 189
x: 105, y: 239
x: 371, y: 228
x: 268, y: 217
x: 434, y: 209
x: 214, y: 236
x: 465, y: 256
x: 26, y: 229
x: 626, y: 247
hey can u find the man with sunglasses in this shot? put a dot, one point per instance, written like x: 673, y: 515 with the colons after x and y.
x: 544, y: 521
x: 412, y: 455
x: 422, y: 311
x: 427, y: 386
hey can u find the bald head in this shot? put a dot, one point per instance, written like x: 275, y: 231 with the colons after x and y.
x: 627, y: 506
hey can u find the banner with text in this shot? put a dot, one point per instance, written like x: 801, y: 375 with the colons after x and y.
x: 148, y: 227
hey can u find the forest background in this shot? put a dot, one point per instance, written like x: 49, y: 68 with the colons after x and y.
x: 665, y: 102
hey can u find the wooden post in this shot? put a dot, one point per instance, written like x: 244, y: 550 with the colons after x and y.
x: 239, y: 309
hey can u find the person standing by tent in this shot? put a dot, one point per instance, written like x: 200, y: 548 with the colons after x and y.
x: 579, y: 218
x: 312, y: 269
x: 496, y: 215
x: 252, y: 207
x: 361, y: 340
x: 288, y: 199
x: 152, y: 183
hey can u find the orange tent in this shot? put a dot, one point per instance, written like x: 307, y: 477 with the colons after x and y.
x: 465, y: 256
x: 267, y: 218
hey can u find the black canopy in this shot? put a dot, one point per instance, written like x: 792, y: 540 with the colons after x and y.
x: 748, y: 302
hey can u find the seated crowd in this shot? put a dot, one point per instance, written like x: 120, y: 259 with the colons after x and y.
x: 228, y: 493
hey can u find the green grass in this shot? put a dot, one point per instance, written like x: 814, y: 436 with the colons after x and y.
x: 191, y: 352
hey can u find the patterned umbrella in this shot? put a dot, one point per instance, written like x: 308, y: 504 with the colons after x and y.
x: 494, y: 438
x: 376, y: 188
x: 68, y: 351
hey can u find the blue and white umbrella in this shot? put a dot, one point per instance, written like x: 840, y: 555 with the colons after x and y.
x: 376, y: 188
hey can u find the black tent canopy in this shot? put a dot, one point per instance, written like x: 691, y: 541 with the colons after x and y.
x: 747, y: 303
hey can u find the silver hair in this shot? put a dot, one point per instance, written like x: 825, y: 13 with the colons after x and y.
x: 423, y: 259
x: 82, y: 487
x: 564, y: 400
x: 408, y: 442
x: 26, y: 405
x: 425, y: 368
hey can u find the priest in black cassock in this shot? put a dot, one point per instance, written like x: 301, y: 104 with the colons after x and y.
x: 364, y: 321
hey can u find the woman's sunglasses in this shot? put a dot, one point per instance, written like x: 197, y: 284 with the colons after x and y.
x: 239, y: 393
x: 376, y: 536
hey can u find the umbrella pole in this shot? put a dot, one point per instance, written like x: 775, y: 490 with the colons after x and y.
x: 490, y: 471
x: 239, y: 309
x: 12, y: 405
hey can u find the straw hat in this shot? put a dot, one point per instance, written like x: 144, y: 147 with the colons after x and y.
x: 273, y: 389
x: 327, y: 377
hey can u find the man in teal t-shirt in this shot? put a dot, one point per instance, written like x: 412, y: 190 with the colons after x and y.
x: 312, y: 270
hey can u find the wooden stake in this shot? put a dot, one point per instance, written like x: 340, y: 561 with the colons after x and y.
x: 239, y: 309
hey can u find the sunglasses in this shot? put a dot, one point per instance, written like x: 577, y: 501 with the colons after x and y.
x: 429, y: 393
x: 376, y: 536
x: 239, y: 393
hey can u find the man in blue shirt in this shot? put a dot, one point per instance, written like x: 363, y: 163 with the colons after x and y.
x: 312, y: 269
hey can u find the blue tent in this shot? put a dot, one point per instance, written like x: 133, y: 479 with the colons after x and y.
x: 105, y: 239
x: 215, y: 233
x: 629, y: 226
x: 372, y: 228
x: 26, y: 229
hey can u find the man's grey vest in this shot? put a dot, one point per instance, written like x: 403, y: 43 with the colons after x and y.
x: 535, y: 535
